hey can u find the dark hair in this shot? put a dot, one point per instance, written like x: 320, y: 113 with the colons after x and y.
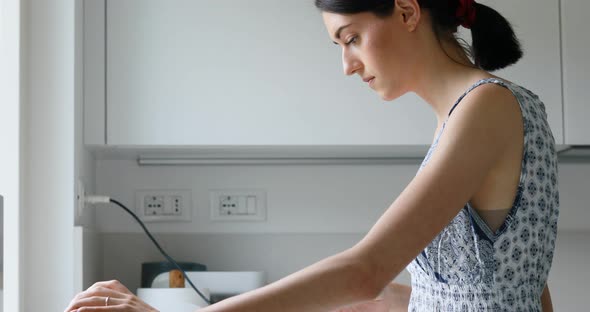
x: 494, y: 44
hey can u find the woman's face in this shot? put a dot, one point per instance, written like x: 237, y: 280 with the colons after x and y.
x: 374, y: 48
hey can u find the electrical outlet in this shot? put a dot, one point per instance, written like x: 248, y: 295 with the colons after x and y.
x: 163, y: 205
x: 228, y: 205
x: 177, y: 205
x: 153, y: 205
x: 237, y: 205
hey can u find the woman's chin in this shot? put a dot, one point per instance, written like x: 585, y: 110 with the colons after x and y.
x: 388, y: 96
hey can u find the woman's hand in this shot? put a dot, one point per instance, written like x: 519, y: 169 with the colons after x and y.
x: 108, y: 296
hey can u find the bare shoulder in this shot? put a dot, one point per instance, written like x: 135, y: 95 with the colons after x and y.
x: 489, y: 106
x: 491, y: 101
x: 490, y: 113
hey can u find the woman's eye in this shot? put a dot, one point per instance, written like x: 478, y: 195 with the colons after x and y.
x: 351, y: 40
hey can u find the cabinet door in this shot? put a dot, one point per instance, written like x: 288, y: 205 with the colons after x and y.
x: 265, y: 72
x: 576, y: 66
x: 539, y: 70
x: 234, y: 72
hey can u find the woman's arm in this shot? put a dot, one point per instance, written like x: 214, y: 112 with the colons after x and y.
x: 546, y: 300
x: 324, y: 286
x: 474, y: 139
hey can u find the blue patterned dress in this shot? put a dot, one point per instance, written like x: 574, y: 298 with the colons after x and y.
x: 468, y: 267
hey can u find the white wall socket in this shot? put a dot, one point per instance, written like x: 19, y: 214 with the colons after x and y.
x: 163, y: 205
x: 237, y: 205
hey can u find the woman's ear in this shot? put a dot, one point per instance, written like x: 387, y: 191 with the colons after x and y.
x: 409, y: 10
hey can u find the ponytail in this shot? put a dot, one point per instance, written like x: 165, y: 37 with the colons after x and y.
x: 494, y: 44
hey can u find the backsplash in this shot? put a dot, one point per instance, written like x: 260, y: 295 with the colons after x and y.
x: 300, y: 198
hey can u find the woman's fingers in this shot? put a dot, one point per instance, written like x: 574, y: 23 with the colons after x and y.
x: 97, y: 301
x: 119, y: 299
x: 112, y: 284
x: 96, y: 296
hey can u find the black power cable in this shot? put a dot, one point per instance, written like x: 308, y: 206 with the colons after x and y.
x: 160, y: 248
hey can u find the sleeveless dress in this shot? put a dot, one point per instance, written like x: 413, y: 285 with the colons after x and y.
x: 468, y: 267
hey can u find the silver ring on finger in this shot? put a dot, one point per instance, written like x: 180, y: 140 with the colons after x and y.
x: 106, y: 301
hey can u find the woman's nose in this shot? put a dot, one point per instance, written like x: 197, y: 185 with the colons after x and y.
x: 350, y: 63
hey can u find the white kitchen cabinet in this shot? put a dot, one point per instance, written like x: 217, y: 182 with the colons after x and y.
x: 265, y: 73
x: 236, y: 72
x: 576, y: 66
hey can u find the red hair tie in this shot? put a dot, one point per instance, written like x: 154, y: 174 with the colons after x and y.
x: 466, y: 13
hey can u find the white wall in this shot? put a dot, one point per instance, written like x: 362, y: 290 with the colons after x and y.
x: 36, y: 134
x: 88, y: 263
x: 10, y: 155
x: 49, y: 183
x: 300, y: 198
x: 569, y: 276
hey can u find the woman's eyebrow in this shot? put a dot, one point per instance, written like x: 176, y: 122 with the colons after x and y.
x: 337, y: 33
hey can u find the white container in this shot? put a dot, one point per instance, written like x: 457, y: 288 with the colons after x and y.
x: 218, y: 282
x: 173, y: 299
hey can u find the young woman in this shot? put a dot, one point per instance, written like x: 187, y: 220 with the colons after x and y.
x: 476, y: 227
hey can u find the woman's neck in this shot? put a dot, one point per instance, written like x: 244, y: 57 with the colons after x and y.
x: 444, y: 77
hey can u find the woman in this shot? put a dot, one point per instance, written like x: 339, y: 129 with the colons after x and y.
x: 476, y: 227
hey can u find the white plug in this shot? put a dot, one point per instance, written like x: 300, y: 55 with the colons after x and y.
x: 97, y: 199
x: 82, y: 199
